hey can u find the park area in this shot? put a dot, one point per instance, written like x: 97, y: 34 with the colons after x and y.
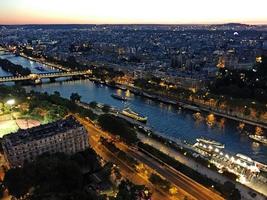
x: 11, y: 126
x: 8, y: 126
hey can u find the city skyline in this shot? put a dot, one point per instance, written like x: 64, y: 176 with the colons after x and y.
x: 138, y: 100
x: 127, y: 12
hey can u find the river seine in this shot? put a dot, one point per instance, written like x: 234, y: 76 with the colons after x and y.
x: 168, y: 120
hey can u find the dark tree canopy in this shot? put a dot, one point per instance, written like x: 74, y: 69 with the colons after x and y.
x: 128, y: 191
x: 55, y: 174
x: 119, y: 127
x: 15, y: 70
x: 106, y: 108
x: 93, y: 104
x: 75, y: 97
x: 230, y: 191
x: 17, y: 182
x: 243, y: 83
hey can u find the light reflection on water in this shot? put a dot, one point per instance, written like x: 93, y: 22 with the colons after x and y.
x: 166, y: 119
x: 24, y: 63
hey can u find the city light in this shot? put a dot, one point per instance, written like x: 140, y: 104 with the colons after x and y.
x: 11, y: 102
x: 259, y: 59
x: 137, y: 94
x: 173, y: 190
x: 120, y: 11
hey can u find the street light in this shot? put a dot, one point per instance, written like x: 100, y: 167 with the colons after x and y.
x: 10, y: 102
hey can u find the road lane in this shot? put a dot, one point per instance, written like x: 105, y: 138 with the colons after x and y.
x: 191, y: 187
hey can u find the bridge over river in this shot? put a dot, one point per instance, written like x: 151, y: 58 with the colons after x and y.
x: 38, y: 77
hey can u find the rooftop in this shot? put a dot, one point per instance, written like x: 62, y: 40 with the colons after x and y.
x: 42, y: 131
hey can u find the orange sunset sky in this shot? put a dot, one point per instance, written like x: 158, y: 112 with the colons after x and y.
x: 132, y: 11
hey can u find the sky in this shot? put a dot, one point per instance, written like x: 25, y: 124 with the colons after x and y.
x: 132, y: 11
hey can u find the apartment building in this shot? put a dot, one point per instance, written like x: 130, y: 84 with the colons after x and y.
x: 66, y: 135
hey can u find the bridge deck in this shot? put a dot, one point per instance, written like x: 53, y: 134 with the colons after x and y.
x: 43, y: 76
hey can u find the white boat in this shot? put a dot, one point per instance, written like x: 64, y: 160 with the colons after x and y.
x: 119, y: 97
x: 121, y: 87
x: 149, y: 95
x: 165, y: 100
x: 129, y: 113
x: 210, y: 142
x: 244, y: 157
x: 259, y: 138
x: 190, y: 107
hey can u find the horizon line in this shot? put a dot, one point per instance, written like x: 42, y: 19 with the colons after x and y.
x: 225, y: 23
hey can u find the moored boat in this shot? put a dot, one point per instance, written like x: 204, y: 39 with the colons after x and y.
x: 129, y: 113
x: 118, y: 97
x: 210, y: 142
x: 150, y: 96
x: 122, y: 87
x: 259, y: 138
x: 166, y: 100
x: 40, y: 68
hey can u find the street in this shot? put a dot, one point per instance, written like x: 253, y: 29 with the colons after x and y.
x: 187, y: 185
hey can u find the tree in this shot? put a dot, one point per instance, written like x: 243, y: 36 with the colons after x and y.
x: 230, y: 191
x: 13, y: 68
x: 235, y: 195
x: 247, y: 111
x: 71, y: 61
x: 118, y: 126
x: 75, y: 97
x: 51, y: 175
x: 17, y: 182
x: 262, y: 66
x: 106, y: 108
x: 157, y: 180
x: 259, y: 113
x: 129, y: 191
x: 93, y: 104
x: 2, y: 190
x: 57, y: 93
x: 87, y: 159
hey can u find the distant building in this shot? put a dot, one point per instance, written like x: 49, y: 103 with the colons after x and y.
x: 67, y: 136
x: 264, y: 45
x: 264, y: 48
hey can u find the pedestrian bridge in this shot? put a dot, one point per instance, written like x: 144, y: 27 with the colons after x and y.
x: 38, y: 77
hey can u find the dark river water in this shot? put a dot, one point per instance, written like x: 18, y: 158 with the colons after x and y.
x: 168, y: 120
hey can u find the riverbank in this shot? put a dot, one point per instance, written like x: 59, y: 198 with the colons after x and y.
x: 246, y: 189
x: 168, y: 120
x: 15, y: 70
x: 193, y: 106
x: 198, y: 108
x: 53, y: 66
x: 186, y: 157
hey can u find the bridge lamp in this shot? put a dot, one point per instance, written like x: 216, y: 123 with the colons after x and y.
x: 10, y: 102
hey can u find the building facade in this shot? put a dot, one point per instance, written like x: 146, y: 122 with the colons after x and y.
x: 66, y: 136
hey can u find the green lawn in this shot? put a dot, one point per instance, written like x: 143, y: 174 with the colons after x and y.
x: 8, y: 127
